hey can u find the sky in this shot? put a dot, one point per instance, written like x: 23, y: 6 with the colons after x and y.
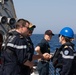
x: 47, y: 14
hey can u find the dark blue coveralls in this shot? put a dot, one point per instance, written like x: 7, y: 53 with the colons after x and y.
x: 43, y: 65
x: 66, y: 58
x: 15, y: 55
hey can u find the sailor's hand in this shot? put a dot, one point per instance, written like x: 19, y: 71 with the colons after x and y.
x: 31, y: 64
x: 47, y: 56
x: 50, y: 56
x: 28, y: 63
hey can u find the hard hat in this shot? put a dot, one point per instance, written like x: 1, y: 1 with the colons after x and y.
x: 68, y: 32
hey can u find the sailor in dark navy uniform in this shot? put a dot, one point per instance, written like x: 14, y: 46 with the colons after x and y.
x: 16, y: 53
x: 31, y: 49
x: 66, y: 55
x: 44, y: 47
x: 67, y: 58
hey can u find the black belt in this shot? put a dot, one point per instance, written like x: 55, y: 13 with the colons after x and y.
x: 44, y: 60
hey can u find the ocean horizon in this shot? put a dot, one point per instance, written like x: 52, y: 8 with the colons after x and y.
x: 54, y: 42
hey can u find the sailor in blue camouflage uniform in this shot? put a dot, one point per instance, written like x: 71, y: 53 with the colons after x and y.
x: 66, y: 56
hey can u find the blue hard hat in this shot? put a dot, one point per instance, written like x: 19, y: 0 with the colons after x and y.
x: 68, y: 32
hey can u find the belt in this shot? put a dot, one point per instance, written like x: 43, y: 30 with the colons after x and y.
x: 44, y: 60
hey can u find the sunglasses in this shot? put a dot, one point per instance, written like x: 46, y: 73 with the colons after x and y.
x: 26, y: 27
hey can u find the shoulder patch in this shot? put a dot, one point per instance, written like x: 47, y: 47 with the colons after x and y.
x: 66, y: 52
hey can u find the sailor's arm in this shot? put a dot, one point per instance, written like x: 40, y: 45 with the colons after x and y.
x: 45, y: 56
x: 37, y: 49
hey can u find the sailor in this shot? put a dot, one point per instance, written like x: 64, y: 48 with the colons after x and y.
x: 66, y: 56
x: 15, y: 55
x: 41, y: 48
x: 27, y: 70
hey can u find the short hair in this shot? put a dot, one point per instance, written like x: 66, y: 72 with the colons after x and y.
x: 21, y: 22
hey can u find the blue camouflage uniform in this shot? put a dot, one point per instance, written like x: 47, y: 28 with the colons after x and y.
x: 15, y: 55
